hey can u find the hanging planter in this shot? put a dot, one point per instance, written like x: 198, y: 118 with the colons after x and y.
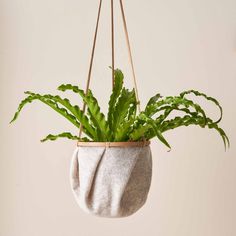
x: 111, y: 168
x: 111, y: 179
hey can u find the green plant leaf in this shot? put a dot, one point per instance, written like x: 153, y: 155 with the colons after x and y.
x: 122, y: 108
x: 123, y: 124
x: 67, y: 135
x: 214, y: 125
x: 151, y: 103
x: 98, y: 117
x: 174, y: 103
x: 132, y: 111
x: 197, y: 93
x: 94, y: 111
x: 140, y: 131
x: 155, y: 128
x: 189, y: 120
x: 51, y: 104
x: 123, y: 130
x: 75, y: 111
x: 118, y: 84
x: 75, y: 89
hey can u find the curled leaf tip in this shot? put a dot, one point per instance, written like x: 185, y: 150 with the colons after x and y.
x: 28, y: 92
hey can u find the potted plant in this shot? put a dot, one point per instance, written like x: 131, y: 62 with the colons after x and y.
x: 111, y: 167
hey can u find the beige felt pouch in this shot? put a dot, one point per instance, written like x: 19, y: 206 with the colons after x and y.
x: 111, y: 181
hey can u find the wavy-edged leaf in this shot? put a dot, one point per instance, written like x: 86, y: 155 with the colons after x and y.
x: 118, y: 84
x: 122, y: 123
x: 99, y: 119
x: 155, y: 128
x: 199, y: 94
x: 123, y: 130
x: 52, y: 137
x: 169, y: 109
x: 94, y: 111
x: 132, y: 111
x: 175, y: 103
x: 151, y: 103
x: 122, y: 108
x: 191, y: 120
x: 126, y: 127
x: 64, y: 112
x: 75, y: 89
x: 75, y: 111
x: 214, y: 125
x: 139, y: 132
x: 27, y: 100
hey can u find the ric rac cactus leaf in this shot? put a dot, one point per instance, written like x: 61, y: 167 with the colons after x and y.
x: 64, y: 112
x: 75, y: 111
x: 189, y: 120
x: 196, y: 93
x: 121, y: 110
x: 123, y: 130
x: 67, y: 135
x: 175, y: 103
x: 118, y: 84
x: 27, y: 100
x: 140, y: 131
x: 96, y: 116
x: 214, y: 125
x: 75, y: 89
x: 132, y: 111
x: 155, y: 128
x: 152, y: 101
x: 123, y: 124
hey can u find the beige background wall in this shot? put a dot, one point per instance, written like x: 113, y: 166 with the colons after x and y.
x: 177, y: 45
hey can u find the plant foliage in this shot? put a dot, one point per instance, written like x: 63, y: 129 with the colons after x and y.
x: 122, y: 122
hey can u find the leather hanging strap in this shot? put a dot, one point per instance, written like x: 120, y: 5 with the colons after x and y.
x: 113, y: 54
x: 130, y: 54
x: 112, y: 43
x: 91, y: 62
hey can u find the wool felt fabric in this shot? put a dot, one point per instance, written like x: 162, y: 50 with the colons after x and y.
x: 111, y: 181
